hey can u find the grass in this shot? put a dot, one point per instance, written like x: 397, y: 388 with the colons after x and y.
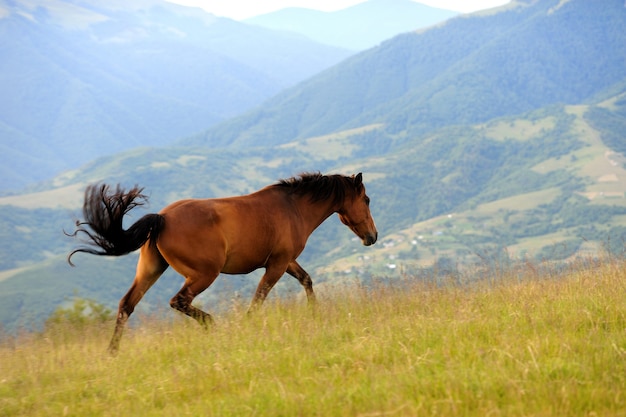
x: 331, y: 146
x: 524, y: 342
x: 518, y: 129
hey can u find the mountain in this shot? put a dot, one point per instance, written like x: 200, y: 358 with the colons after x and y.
x: 358, y: 27
x: 469, y: 70
x: 492, y: 138
x: 545, y: 185
x: 82, y: 79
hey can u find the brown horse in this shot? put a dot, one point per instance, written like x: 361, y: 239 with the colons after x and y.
x: 201, y: 238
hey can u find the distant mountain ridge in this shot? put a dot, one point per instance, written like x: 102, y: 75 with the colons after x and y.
x: 82, y: 79
x: 358, y: 27
x: 469, y: 70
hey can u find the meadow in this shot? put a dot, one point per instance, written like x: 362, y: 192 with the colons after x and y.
x: 537, y: 341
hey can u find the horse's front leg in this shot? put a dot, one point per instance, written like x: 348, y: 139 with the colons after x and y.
x: 295, y: 270
x: 273, y: 272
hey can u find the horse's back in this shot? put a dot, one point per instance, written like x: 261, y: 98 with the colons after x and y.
x: 237, y: 234
x: 233, y: 215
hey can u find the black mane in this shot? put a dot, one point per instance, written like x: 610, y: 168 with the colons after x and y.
x: 318, y: 187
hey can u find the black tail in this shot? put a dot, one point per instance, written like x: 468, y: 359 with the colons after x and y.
x: 104, y: 210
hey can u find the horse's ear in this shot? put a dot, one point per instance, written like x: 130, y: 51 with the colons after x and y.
x: 358, y: 180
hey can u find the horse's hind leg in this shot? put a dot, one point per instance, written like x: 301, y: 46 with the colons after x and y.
x: 149, y: 268
x: 193, y: 286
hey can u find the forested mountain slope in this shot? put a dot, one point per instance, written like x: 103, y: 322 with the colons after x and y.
x: 82, y: 79
x: 471, y: 69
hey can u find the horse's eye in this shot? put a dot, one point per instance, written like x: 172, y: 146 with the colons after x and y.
x: 367, y: 200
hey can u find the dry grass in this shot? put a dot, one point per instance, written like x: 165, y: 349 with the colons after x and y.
x: 520, y: 343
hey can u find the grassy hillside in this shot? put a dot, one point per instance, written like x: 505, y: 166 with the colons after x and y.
x: 530, y: 341
x: 545, y: 186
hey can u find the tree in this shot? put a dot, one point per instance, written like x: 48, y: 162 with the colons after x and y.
x: 82, y: 313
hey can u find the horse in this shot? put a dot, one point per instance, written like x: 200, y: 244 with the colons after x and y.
x: 201, y: 238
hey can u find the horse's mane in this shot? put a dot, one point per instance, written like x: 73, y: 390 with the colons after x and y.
x: 317, y: 186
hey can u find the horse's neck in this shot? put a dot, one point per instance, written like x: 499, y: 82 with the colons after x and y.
x: 314, y: 214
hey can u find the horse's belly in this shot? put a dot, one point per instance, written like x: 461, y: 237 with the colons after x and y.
x: 239, y: 263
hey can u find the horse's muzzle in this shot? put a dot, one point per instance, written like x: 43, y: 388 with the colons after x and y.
x: 370, y: 239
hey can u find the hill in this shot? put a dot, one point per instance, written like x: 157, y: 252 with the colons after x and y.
x: 90, y: 78
x: 547, y: 185
x: 540, y: 186
x: 358, y: 27
x: 537, y: 176
x: 516, y: 342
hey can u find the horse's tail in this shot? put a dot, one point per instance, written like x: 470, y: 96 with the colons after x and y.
x: 104, y: 210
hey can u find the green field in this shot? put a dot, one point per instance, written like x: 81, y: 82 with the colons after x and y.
x: 531, y: 341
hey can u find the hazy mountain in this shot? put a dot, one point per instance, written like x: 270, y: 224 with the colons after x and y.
x: 469, y: 70
x: 357, y: 27
x: 498, y: 134
x: 81, y: 79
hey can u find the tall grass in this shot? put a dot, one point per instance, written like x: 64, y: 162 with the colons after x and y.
x: 550, y: 343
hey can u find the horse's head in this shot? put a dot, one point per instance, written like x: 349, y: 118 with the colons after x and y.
x: 355, y: 212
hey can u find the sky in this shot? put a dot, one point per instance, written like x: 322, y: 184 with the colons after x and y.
x: 243, y: 9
